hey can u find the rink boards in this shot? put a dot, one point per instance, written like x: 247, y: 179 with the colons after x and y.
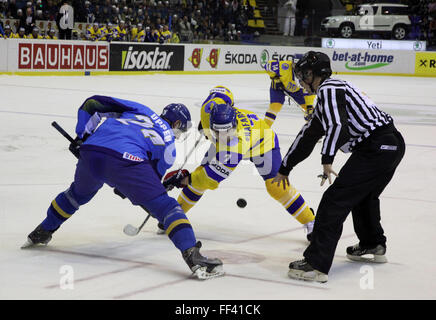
x: 25, y: 56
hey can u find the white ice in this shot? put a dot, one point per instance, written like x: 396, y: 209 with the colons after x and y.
x: 89, y: 257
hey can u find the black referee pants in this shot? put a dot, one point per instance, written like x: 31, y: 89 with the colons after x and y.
x: 357, y: 189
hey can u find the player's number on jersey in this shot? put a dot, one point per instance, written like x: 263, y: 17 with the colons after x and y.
x: 142, y: 121
x: 154, y: 137
x: 148, y: 132
x: 252, y: 117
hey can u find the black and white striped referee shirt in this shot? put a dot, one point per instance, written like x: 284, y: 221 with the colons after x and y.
x: 344, y: 115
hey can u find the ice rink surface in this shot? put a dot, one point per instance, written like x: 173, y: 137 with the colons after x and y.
x: 256, y: 244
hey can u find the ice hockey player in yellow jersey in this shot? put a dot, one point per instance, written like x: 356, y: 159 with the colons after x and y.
x: 138, y: 33
x: 94, y: 33
x: 120, y: 32
x: 51, y: 35
x: 235, y: 135
x: 283, y: 84
x: 35, y: 34
x: 8, y: 33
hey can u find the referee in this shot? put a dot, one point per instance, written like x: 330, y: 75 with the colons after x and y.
x: 350, y: 121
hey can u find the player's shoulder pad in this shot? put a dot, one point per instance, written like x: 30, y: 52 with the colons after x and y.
x: 286, y: 65
x: 272, y: 67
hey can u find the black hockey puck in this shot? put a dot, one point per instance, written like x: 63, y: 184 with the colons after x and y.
x: 241, y: 203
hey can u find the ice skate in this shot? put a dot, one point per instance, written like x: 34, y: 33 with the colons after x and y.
x: 202, y: 267
x: 38, y: 236
x: 375, y: 254
x: 302, y: 270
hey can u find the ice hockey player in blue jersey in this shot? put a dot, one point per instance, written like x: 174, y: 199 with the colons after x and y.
x: 130, y: 151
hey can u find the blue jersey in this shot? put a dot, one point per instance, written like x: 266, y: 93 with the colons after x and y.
x: 132, y: 130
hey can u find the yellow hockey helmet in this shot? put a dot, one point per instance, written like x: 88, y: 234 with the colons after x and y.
x: 223, y: 93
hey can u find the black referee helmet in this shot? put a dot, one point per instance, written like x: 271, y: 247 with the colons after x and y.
x: 318, y: 62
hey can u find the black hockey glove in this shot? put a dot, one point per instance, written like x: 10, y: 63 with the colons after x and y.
x: 174, y: 179
x: 276, y: 84
x: 75, y: 145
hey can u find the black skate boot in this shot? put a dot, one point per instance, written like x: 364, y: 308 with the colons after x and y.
x: 202, y: 267
x: 375, y: 254
x: 38, y: 236
x: 302, y: 270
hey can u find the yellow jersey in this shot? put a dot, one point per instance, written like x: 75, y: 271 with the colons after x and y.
x: 30, y: 36
x: 93, y: 35
x: 284, y: 84
x: 253, y: 138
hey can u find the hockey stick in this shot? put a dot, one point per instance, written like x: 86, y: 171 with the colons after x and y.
x: 132, y: 230
x: 63, y: 132
x: 290, y: 98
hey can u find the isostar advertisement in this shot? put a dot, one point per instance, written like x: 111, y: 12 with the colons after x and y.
x: 64, y: 56
x: 146, y: 57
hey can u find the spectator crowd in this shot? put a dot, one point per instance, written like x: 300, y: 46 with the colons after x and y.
x: 132, y: 20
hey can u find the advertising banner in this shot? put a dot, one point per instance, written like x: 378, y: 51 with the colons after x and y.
x: 371, y: 61
x: 373, y: 44
x: 146, y: 57
x: 42, y: 55
x: 234, y: 58
x: 3, y: 55
x: 253, y: 58
x: 425, y: 64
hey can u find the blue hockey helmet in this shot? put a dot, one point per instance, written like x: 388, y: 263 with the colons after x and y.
x: 177, y: 112
x: 223, y: 122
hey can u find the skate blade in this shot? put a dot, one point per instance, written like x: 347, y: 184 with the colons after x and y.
x: 308, y: 276
x: 370, y: 258
x: 160, y: 231
x: 203, y: 274
x: 29, y: 244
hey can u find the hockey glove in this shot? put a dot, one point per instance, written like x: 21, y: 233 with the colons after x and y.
x: 276, y: 84
x: 75, y: 145
x: 308, y: 113
x: 174, y: 179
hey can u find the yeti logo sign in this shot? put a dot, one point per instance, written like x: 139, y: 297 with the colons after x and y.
x: 146, y: 58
